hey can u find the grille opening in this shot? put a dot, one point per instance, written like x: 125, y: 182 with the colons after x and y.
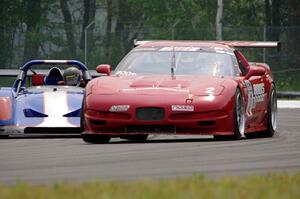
x: 51, y: 130
x: 150, y: 129
x: 206, y: 123
x: 98, y: 122
x: 150, y: 113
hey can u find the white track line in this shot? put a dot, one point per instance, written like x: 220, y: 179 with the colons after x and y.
x: 288, y: 103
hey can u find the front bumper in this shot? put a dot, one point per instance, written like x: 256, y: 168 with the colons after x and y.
x: 205, y: 123
x: 210, y: 115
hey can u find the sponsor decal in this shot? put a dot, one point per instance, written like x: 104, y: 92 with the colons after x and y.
x: 119, y: 108
x: 256, y: 94
x: 219, y: 50
x: 259, y: 92
x: 188, y: 108
x: 222, y: 50
x: 145, y: 49
x: 193, y: 49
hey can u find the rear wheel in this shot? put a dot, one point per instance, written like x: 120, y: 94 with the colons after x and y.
x: 238, y: 119
x: 271, y: 117
x: 136, y: 138
x: 272, y: 114
x: 95, y: 138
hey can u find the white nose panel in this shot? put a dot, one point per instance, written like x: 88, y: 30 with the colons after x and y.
x: 55, y: 106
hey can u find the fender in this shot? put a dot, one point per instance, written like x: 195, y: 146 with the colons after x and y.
x: 230, y: 86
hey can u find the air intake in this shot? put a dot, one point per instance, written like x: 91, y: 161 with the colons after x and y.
x: 33, y: 113
x: 150, y: 114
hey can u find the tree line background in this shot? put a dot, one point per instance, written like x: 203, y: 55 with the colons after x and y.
x: 55, y: 29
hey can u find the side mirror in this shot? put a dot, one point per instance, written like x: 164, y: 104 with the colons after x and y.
x: 104, y: 68
x: 255, y: 71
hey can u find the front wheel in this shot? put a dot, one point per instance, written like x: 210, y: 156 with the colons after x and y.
x: 95, y: 139
x: 238, y: 119
x: 136, y: 138
x: 4, y: 136
x: 82, y: 119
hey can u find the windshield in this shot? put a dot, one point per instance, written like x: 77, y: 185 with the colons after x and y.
x: 183, y: 62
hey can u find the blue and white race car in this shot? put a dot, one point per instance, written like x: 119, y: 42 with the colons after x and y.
x: 40, y: 102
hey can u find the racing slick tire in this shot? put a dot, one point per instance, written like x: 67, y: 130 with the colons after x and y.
x: 271, y: 117
x: 95, y: 139
x: 238, y: 119
x: 4, y: 136
x: 91, y: 138
x: 82, y: 116
x: 81, y: 122
x: 272, y: 113
x: 135, y: 138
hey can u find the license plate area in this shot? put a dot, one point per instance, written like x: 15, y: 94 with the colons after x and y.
x: 150, y: 114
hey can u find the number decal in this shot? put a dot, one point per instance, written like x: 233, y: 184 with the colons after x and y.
x: 250, y: 104
x: 256, y: 94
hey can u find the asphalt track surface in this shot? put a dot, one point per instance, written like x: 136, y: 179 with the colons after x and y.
x: 65, y: 159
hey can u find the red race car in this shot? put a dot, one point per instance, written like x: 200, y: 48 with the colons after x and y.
x: 181, y: 87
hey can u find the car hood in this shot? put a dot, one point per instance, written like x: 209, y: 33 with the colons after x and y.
x: 158, y: 85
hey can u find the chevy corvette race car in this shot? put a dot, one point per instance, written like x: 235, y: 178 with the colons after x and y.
x: 182, y: 87
x: 39, y: 102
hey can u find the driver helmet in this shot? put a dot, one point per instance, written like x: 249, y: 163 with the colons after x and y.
x: 72, y: 76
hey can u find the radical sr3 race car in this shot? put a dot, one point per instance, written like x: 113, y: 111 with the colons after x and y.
x: 181, y: 87
x: 42, y: 101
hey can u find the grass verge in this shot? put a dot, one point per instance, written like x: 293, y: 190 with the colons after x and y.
x: 197, y: 186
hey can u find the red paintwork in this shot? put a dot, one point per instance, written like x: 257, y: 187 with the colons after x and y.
x: 5, y: 112
x: 164, y: 91
x: 103, y: 68
x: 255, y: 71
x: 243, y: 59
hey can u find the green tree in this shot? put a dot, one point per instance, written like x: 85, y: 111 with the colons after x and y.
x: 32, y: 18
x: 88, y: 17
x: 69, y: 28
x: 10, y: 16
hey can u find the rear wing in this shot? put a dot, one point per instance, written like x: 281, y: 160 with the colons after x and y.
x: 251, y: 44
x: 237, y: 44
